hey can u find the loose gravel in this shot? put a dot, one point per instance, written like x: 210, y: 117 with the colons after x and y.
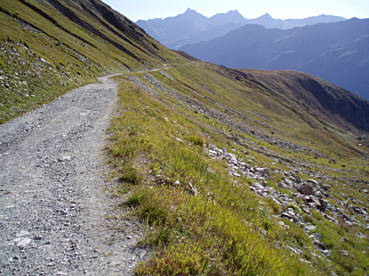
x: 57, y: 216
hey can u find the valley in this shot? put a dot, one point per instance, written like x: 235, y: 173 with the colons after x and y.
x: 336, y: 52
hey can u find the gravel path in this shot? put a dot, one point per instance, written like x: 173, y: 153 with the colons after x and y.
x: 56, y: 216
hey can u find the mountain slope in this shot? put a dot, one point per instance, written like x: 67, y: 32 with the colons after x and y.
x: 272, y: 135
x: 51, y: 46
x: 310, y: 95
x: 230, y: 172
x: 192, y: 27
x: 337, y: 52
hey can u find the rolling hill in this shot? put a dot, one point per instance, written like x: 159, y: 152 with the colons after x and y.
x: 337, y: 52
x: 230, y: 172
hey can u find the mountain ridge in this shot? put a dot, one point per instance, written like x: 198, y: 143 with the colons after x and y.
x: 164, y: 29
x: 318, y: 94
x: 336, y: 52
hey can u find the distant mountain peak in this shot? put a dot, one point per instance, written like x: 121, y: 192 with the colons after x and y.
x: 190, y: 11
x: 234, y: 12
x: 230, y: 17
x: 266, y: 16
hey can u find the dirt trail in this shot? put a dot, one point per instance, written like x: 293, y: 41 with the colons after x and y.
x: 56, y: 217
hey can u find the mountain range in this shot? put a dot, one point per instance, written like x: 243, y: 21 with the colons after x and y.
x: 192, y: 27
x: 337, y: 52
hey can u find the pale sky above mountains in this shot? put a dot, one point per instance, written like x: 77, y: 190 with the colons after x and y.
x: 146, y: 9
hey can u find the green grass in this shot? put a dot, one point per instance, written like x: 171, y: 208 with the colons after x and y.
x: 202, y: 220
x: 215, y: 231
x: 72, y: 61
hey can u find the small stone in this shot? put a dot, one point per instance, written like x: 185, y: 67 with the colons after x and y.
x: 285, y: 226
x: 23, y: 242
x: 212, y: 152
x: 288, y: 216
x: 312, y: 181
x: 361, y: 235
x: 258, y: 186
x: 306, y: 189
x: 67, y: 158
x: 22, y: 233
x: 326, y: 252
x: 326, y: 187
x: 234, y: 173
x: 310, y: 227
x: 291, y: 211
x: 316, y: 236
x: 320, y: 245
x: 330, y: 219
x: 283, y: 185
x: 323, y: 204
x: 294, y: 250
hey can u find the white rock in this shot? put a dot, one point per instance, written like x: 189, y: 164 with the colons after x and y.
x: 22, y: 233
x: 211, y: 152
x: 23, y: 242
x: 313, y: 181
x: 234, y: 173
x: 258, y: 186
x: 310, y: 227
x: 285, y: 226
x: 232, y: 157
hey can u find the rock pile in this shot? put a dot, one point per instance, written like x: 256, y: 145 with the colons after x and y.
x: 310, y: 192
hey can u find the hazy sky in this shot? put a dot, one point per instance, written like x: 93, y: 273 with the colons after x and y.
x: 145, y: 9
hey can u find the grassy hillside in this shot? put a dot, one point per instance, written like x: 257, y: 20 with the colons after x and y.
x: 231, y: 179
x: 244, y: 173
x: 49, y: 47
